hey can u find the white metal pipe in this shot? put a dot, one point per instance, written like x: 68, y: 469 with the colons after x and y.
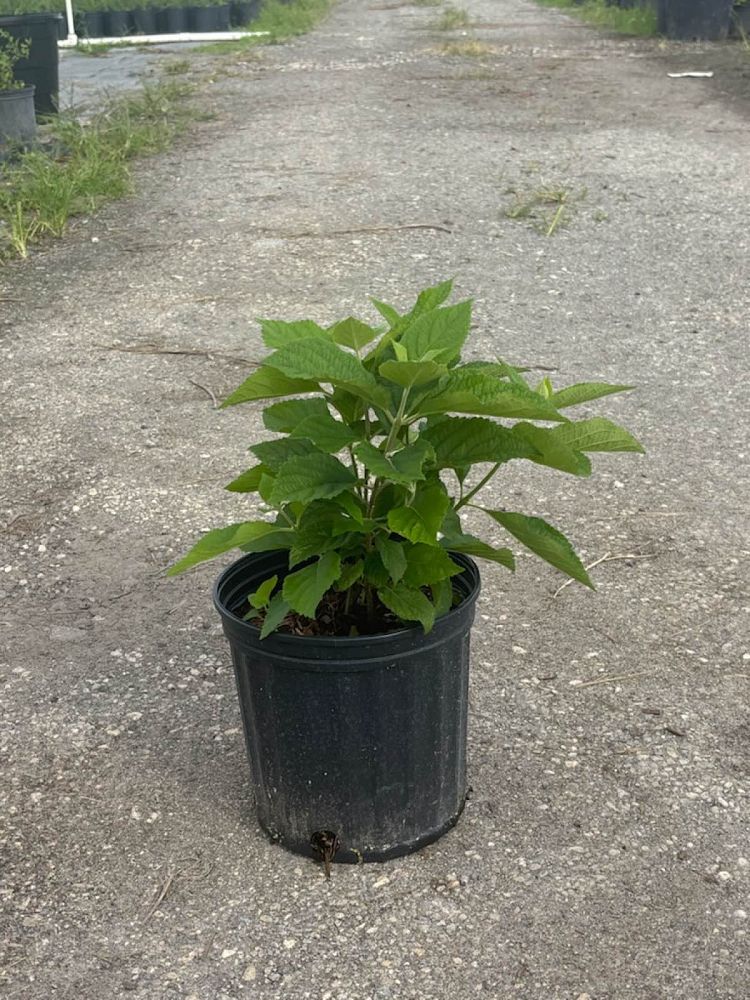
x: 71, y: 39
x: 181, y: 36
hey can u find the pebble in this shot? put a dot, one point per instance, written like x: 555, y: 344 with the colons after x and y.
x: 249, y: 974
x: 228, y: 952
x: 740, y: 914
x: 289, y: 943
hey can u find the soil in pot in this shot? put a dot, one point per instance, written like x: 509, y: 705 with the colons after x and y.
x: 355, y: 742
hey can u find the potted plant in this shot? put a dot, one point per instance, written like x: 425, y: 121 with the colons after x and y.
x: 17, y: 118
x: 349, y: 616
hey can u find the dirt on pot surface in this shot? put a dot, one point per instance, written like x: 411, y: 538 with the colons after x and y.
x: 605, y: 852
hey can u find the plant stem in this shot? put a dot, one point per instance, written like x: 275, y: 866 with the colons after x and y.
x: 483, y: 482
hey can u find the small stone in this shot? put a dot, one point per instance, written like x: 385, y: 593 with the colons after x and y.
x: 228, y: 952
x: 724, y: 876
x: 740, y: 914
x: 289, y: 943
x: 381, y: 882
x: 249, y: 974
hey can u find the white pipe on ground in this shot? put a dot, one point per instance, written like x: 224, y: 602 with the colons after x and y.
x: 182, y: 36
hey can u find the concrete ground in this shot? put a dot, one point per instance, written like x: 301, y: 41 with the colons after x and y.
x: 605, y: 851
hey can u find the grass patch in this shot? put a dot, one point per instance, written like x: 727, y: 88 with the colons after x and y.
x: 87, y: 164
x: 627, y: 20
x: 452, y: 18
x: 281, y: 20
x: 471, y: 48
x: 546, y: 208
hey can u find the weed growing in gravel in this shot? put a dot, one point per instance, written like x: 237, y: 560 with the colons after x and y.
x: 281, y: 21
x: 85, y: 165
x: 627, y: 20
x: 547, y: 208
x: 471, y: 48
x: 452, y: 18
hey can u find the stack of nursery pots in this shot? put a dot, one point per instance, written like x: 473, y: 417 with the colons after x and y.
x: 695, y: 20
x: 349, y: 615
x: 40, y: 67
x: 128, y: 17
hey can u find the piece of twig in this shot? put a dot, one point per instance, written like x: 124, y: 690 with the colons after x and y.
x: 612, y: 679
x: 207, y: 391
x: 307, y: 234
x: 161, y: 895
x: 607, y: 557
x: 188, y: 352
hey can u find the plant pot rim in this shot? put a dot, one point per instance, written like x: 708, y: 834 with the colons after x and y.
x: 299, y: 647
x: 17, y: 92
x: 8, y: 20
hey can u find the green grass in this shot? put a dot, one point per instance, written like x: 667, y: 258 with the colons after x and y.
x: 87, y: 165
x: 281, y: 21
x: 627, y: 20
x: 452, y: 18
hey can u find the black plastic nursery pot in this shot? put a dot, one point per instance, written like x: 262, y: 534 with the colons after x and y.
x: 244, y: 12
x: 171, y: 20
x: 17, y: 119
x: 117, y: 23
x: 695, y: 20
x: 41, y: 68
x: 354, y: 741
x: 92, y: 24
x: 209, y: 18
x: 144, y: 21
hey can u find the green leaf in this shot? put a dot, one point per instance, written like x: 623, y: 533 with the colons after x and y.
x: 375, y: 572
x: 443, y: 330
x: 442, y: 597
x: 274, y: 453
x: 393, y: 556
x: 279, y: 538
x: 324, y: 361
x: 352, y: 333
x: 596, y: 434
x: 350, y: 573
x: 213, y: 543
x: 472, y: 546
x: 584, y: 392
x: 551, y: 451
x: 404, y: 466
x: 421, y: 520
x: 266, y: 383
x: 464, y: 441
x: 544, y: 540
x: 284, y: 417
x: 409, y: 605
x: 426, y: 565
x: 304, y: 589
x: 262, y: 595
x: 431, y: 298
x: 247, y: 482
x: 277, y: 333
x: 476, y: 392
x: 310, y: 477
x: 411, y: 373
x: 319, y: 530
x: 325, y: 432
x: 388, y: 313
x: 277, y: 611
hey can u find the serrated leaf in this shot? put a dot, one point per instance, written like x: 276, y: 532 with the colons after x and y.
x: 459, y: 442
x: 284, y: 417
x: 324, y: 361
x: 596, y: 434
x: 352, y: 333
x: 279, y: 538
x: 304, y: 589
x: 310, y: 477
x: 325, y: 432
x: 277, y: 333
x: 584, y: 392
x: 350, y: 573
x: 420, y: 520
x: 267, y: 383
x: 431, y: 298
x: 392, y: 555
x: 404, y: 466
x: 374, y: 571
x: 443, y: 330
x: 319, y: 530
x: 409, y: 605
x: 442, y: 597
x: 426, y: 565
x: 544, y: 540
x: 277, y: 611
x: 551, y: 451
x: 247, y: 482
x: 274, y: 453
x: 472, y: 546
x: 411, y: 373
x: 262, y: 595
x: 476, y: 392
x: 388, y: 313
x: 220, y: 540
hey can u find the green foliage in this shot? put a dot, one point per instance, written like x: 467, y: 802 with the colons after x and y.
x: 12, y: 51
x: 281, y: 21
x: 371, y: 468
x: 452, y: 18
x: 638, y: 20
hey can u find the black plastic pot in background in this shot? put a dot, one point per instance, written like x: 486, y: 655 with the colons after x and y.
x: 144, y: 20
x: 117, y: 23
x: 244, y: 12
x: 739, y: 22
x: 358, y: 739
x: 695, y: 20
x: 92, y: 24
x: 209, y: 18
x: 17, y: 119
x: 171, y: 20
x: 41, y: 67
